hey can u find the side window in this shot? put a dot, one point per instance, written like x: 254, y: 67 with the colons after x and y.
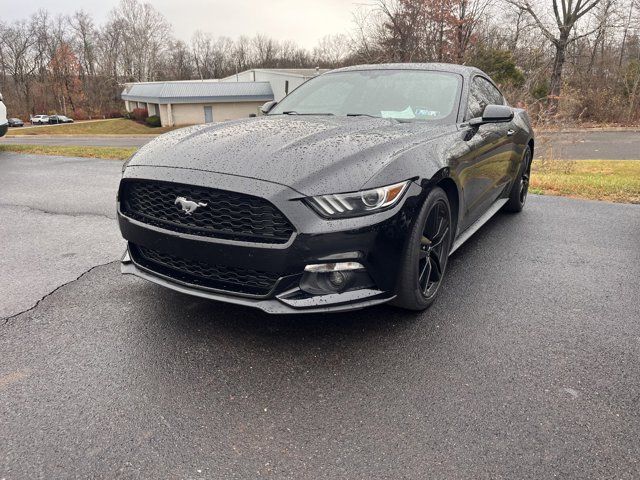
x: 482, y: 93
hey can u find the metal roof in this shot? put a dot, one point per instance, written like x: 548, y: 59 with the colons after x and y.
x: 290, y: 72
x: 198, y: 92
x: 441, y: 67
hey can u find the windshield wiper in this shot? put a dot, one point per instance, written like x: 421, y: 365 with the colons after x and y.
x: 361, y: 115
x: 293, y: 112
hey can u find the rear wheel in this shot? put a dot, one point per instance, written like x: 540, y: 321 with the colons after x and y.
x: 426, y: 254
x: 520, y: 188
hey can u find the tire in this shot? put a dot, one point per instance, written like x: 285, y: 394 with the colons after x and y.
x: 424, y: 260
x: 520, y: 188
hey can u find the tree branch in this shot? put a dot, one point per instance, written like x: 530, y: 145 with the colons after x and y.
x: 526, y: 7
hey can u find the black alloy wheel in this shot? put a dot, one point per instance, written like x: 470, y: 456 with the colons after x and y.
x: 520, y: 188
x: 434, y: 249
x: 524, y: 178
x: 426, y: 254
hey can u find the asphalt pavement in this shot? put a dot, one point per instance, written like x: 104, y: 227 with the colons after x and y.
x: 589, y: 145
x: 525, y: 367
x: 569, y: 145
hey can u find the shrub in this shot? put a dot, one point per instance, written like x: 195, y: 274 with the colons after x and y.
x: 153, y: 121
x: 541, y: 90
x: 115, y: 114
x: 80, y: 114
x: 499, y: 64
x: 139, y: 114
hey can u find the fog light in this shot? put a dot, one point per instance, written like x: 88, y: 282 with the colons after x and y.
x: 337, y: 279
x: 326, y: 278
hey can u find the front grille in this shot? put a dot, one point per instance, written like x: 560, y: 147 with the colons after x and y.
x: 204, y: 274
x: 228, y: 215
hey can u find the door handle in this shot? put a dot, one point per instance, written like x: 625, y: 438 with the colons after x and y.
x: 510, y: 132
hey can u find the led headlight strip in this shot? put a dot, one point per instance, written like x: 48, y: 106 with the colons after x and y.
x: 358, y: 203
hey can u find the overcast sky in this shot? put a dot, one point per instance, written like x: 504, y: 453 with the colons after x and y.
x: 305, y: 21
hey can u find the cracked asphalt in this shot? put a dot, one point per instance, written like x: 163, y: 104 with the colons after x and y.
x: 58, y: 220
x: 525, y: 367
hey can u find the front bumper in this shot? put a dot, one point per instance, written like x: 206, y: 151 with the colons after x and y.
x: 375, y: 241
x: 286, y: 303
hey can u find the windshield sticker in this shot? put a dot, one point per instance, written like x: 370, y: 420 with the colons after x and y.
x: 406, y: 113
x: 422, y: 112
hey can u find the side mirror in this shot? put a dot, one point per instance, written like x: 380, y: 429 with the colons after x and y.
x: 1, y: 99
x: 493, y: 114
x: 267, y: 107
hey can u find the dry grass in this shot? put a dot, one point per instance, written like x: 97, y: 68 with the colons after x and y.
x: 610, y: 180
x: 117, y: 126
x: 112, y: 153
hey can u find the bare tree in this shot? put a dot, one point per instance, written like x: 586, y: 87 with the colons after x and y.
x: 178, y: 64
x: 566, y: 14
x: 85, y: 37
x: 18, y: 62
x: 266, y: 50
x: 142, y: 33
x: 332, y: 50
x: 467, y: 15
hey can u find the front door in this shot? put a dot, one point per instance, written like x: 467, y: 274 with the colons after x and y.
x: 208, y: 114
x: 488, y: 167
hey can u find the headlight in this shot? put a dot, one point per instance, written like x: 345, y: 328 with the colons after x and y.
x: 341, y: 205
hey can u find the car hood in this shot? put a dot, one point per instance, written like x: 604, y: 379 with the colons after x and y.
x: 311, y: 154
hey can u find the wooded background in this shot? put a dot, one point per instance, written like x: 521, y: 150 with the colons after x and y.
x: 565, y: 60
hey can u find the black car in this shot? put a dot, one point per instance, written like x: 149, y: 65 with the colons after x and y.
x: 350, y: 192
x: 15, y: 122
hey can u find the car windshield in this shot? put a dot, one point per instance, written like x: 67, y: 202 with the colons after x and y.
x: 400, y: 94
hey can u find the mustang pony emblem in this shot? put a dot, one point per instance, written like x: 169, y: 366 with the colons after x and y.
x: 188, y: 206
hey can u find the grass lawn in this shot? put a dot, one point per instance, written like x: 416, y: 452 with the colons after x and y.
x: 116, y: 126
x: 610, y: 180
x: 112, y: 153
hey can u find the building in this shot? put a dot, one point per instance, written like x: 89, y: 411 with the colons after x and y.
x: 201, y: 101
x: 282, y: 80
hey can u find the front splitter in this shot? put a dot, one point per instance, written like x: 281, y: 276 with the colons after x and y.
x: 287, y: 303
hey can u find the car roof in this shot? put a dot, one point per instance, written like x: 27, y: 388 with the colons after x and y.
x: 463, y: 70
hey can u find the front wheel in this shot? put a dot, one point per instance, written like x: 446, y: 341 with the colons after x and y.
x: 426, y: 254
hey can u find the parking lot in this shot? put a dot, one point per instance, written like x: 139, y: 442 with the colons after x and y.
x: 525, y: 367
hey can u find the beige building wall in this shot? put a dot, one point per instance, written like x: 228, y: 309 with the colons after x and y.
x: 187, y: 113
x: 190, y: 114
x: 232, y: 111
x: 164, y: 115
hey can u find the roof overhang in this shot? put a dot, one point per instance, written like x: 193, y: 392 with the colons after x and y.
x: 217, y: 99
x: 198, y: 92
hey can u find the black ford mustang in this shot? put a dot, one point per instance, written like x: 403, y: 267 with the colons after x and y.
x: 352, y: 191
